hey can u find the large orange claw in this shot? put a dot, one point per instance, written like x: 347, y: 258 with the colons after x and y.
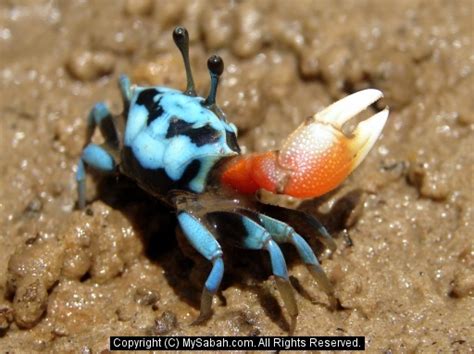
x: 316, y: 157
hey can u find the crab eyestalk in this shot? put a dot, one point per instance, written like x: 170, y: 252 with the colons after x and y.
x: 181, y: 39
x: 316, y: 157
x: 215, y: 64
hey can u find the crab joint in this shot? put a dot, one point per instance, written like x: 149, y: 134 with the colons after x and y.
x: 316, y: 157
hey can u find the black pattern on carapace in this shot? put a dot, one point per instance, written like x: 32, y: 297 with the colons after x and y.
x: 199, y: 136
x: 147, y: 98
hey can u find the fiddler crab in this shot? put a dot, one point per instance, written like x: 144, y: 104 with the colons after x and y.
x: 180, y: 148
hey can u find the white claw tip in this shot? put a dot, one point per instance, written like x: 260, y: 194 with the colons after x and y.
x: 366, y: 134
x: 346, y: 108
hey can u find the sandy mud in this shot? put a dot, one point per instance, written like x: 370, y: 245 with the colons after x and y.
x: 403, y: 270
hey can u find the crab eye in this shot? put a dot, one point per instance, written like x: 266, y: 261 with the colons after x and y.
x: 181, y: 39
x: 215, y: 64
x: 180, y: 36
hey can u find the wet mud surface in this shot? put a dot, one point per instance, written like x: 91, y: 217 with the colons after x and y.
x: 403, y: 270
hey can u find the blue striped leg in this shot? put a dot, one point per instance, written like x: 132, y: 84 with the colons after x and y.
x: 283, y: 233
x: 96, y: 157
x: 247, y: 233
x: 204, y: 242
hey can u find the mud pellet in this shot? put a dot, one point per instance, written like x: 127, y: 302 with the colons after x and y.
x: 87, y: 65
x: 165, y: 323
x: 30, y: 302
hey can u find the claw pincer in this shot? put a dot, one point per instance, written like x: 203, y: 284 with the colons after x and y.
x: 316, y: 157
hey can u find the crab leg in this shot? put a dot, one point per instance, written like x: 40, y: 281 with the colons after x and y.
x: 101, y: 117
x: 249, y: 234
x: 283, y: 233
x: 96, y: 157
x: 99, y: 157
x: 316, y: 157
x: 303, y: 223
x: 204, y: 242
x: 126, y: 91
